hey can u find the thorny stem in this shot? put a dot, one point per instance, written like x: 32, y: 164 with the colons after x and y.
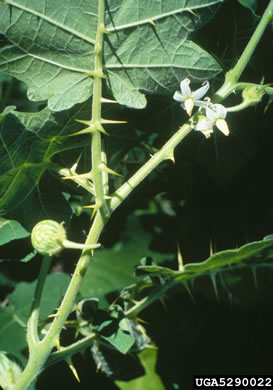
x: 71, y: 349
x: 234, y: 74
x: 98, y: 176
x: 165, y: 153
x: 41, y: 349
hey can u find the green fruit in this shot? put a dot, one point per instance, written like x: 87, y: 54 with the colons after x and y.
x: 47, y: 237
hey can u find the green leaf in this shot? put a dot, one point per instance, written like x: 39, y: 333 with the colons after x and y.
x: 52, y: 47
x: 20, y: 300
x: 149, y: 381
x: 12, y: 333
x: 11, y: 230
x: 150, y: 50
x: 29, y: 256
x: 29, y: 141
x: 121, y: 340
x: 251, y: 4
x: 113, y: 269
x: 56, y: 51
x: 10, y: 370
x: 13, y: 317
x: 257, y: 250
x: 6, y: 111
x: 4, y: 77
x: 4, y: 280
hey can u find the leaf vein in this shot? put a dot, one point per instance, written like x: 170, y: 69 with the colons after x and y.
x: 51, y: 21
x: 161, y: 16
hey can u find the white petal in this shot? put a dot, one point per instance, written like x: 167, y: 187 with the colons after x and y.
x: 185, y: 87
x: 189, y: 104
x: 204, y: 125
x: 221, y: 111
x: 222, y: 126
x: 211, y: 113
x: 177, y: 96
x: 216, y: 111
x: 199, y: 93
x: 200, y: 103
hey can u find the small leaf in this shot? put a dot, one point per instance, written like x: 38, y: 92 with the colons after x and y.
x: 121, y: 340
x: 11, y: 230
x: 251, y: 4
x: 10, y: 370
x: 29, y: 256
x: 149, y: 381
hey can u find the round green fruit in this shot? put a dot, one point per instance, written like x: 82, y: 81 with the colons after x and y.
x: 47, y: 237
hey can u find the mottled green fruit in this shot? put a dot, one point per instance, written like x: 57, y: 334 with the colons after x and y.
x: 47, y: 237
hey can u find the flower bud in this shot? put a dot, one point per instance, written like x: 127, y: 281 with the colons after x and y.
x: 47, y: 237
x: 252, y: 95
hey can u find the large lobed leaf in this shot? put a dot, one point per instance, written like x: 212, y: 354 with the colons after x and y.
x: 150, y: 51
x: 52, y: 47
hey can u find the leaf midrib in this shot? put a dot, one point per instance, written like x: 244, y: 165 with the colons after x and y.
x: 154, y: 18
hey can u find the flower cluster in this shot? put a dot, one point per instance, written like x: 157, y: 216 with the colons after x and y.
x: 215, y: 114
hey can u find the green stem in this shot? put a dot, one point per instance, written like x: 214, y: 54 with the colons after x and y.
x: 234, y: 74
x: 96, y: 148
x: 32, y: 325
x: 70, y: 350
x: 105, y: 178
x: 148, y: 300
x: 41, y: 349
x: 166, y: 152
x: 269, y: 91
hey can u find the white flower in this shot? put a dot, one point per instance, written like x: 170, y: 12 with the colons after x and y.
x: 205, y: 126
x: 218, y: 113
x: 215, y: 115
x: 188, y: 98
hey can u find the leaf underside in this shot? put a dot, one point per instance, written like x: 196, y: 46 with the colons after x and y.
x: 52, y: 47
